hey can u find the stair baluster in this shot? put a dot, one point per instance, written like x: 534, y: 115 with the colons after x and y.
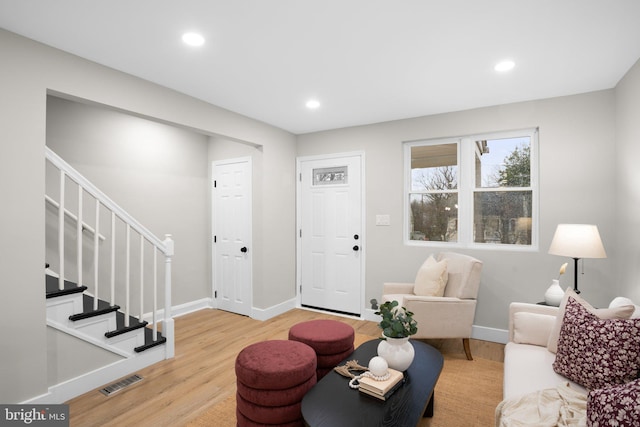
x: 96, y: 249
x: 113, y: 256
x: 79, y: 239
x: 88, y: 311
x: 61, y: 231
x: 127, y: 279
x: 141, y: 278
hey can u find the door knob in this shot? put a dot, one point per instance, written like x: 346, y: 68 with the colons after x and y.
x: 243, y: 249
x: 356, y: 247
x: 355, y: 236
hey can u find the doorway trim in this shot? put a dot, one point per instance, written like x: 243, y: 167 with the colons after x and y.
x: 363, y: 223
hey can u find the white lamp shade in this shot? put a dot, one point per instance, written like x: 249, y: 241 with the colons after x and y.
x: 577, y: 241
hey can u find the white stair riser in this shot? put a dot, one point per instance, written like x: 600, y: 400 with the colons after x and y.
x: 95, y: 326
x: 60, y: 308
x: 93, y: 329
x: 127, y: 341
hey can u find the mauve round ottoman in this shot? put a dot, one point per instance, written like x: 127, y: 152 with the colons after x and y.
x: 272, y: 378
x: 330, y: 339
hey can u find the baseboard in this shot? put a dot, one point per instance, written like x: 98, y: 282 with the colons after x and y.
x: 67, y: 390
x: 478, y: 332
x: 273, y: 311
x: 182, y: 309
x: 369, y: 314
x: 484, y: 333
x: 102, y: 376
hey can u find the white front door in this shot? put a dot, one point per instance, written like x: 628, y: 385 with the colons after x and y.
x: 232, y: 235
x: 330, y: 233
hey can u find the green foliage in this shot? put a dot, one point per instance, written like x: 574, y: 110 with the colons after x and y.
x: 396, y: 321
x: 516, y: 171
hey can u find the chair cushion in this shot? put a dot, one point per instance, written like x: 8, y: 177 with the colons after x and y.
x: 287, y: 396
x: 243, y: 421
x: 596, y: 352
x: 333, y: 360
x: 431, y: 278
x: 463, y: 275
x: 325, y: 336
x: 528, y: 368
x: 532, y: 328
x: 275, y: 415
x: 275, y: 365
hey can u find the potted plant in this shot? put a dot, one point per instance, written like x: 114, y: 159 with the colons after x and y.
x: 397, y: 322
x: 397, y: 326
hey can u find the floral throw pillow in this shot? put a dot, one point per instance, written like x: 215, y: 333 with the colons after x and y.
x: 595, y: 352
x: 614, y: 406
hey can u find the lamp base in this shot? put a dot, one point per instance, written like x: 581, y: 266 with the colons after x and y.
x: 575, y: 276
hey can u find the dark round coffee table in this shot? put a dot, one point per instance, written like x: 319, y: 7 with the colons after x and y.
x: 331, y: 403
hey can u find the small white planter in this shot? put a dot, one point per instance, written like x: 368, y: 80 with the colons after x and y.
x: 398, y: 352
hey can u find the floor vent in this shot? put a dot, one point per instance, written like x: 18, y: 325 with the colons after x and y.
x: 116, y: 387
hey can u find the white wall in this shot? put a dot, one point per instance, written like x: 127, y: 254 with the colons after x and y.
x: 576, y: 182
x: 63, y: 363
x: 23, y: 372
x: 627, y: 208
x: 577, y: 177
x: 156, y: 172
x: 29, y: 72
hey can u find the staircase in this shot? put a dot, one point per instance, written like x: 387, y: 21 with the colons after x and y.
x: 72, y: 309
x: 104, y: 283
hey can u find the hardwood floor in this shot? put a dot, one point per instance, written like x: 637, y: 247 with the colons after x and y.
x: 176, y: 391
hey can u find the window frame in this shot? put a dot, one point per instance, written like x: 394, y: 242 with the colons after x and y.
x: 467, y: 189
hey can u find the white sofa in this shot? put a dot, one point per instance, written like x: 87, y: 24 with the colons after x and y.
x: 529, y: 354
x: 527, y: 359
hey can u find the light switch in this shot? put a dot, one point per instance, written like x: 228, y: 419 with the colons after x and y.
x: 383, y: 220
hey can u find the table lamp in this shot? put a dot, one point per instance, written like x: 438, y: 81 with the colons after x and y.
x: 577, y: 241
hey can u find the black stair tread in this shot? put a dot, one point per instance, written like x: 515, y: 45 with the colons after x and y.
x: 51, y: 287
x: 88, y: 311
x: 52, y: 291
x: 87, y: 304
x: 149, y: 342
x: 134, y: 324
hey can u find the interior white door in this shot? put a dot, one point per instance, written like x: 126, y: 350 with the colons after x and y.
x: 232, y: 235
x: 330, y: 233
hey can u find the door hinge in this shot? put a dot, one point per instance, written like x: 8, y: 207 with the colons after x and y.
x: 301, y: 233
x: 215, y: 294
x: 300, y: 175
x: 301, y: 289
x: 215, y: 183
x: 215, y: 239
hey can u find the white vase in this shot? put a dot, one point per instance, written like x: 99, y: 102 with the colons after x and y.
x: 398, y: 352
x: 554, y: 294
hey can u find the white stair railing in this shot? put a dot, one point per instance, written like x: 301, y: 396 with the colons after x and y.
x: 103, y: 202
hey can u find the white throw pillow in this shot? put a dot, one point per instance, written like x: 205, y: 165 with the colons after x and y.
x: 431, y: 278
x: 532, y: 328
x: 622, y: 301
x: 622, y: 312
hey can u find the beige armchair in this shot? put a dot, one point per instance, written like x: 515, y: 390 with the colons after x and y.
x: 449, y: 313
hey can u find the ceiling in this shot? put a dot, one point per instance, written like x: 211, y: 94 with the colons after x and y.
x: 366, y: 61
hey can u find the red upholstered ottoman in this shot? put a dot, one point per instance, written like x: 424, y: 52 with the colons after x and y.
x: 332, y: 341
x: 272, y: 378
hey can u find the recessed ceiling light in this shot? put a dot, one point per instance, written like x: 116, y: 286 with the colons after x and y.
x: 504, y: 66
x: 312, y: 104
x: 193, y: 39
